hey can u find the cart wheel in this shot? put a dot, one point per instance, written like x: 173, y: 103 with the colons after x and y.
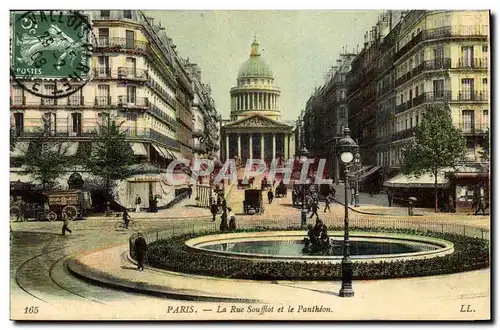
x: 52, y: 216
x: 69, y: 212
x: 119, y: 225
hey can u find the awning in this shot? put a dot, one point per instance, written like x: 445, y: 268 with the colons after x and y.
x: 159, y: 150
x: 20, y: 149
x: 139, y: 149
x: 69, y: 148
x: 423, y: 181
x: 177, y: 155
x: 167, y: 153
x: 369, y: 172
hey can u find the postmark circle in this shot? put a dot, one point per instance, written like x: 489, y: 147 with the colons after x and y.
x: 51, y: 52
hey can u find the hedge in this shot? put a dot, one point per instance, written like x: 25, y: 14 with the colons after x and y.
x: 172, y: 254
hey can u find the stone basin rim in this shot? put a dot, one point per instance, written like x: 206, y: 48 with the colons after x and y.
x: 444, y: 247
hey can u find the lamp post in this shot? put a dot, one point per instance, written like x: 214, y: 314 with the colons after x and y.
x: 303, y: 154
x: 357, y: 163
x: 346, y: 147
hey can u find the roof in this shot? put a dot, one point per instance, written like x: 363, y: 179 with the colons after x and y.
x: 256, y: 120
x: 411, y: 181
x: 255, y: 66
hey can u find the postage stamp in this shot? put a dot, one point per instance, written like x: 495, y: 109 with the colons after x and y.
x: 55, y: 45
x: 311, y: 165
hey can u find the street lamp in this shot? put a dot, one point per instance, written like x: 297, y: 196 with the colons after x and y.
x: 357, y: 163
x: 346, y: 147
x: 303, y: 154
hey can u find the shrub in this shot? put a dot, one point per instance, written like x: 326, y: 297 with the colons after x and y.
x: 172, y: 254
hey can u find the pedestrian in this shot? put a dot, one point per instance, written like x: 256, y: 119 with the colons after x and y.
x: 140, y: 248
x: 155, y: 204
x: 214, y: 209
x: 451, y: 205
x: 189, y: 191
x: 125, y: 219
x: 223, y: 221
x: 389, y: 196
x: 314, y: 209
x: 65, y: 227
x: 333, y: 192
x: 138, y: 203
x: 481, y: 206
x: 270, y: 195
x: 353, y: 196
x: 224, y: 204
x: 232, y: 219
x: 410, y: 208
x: 327, y: 204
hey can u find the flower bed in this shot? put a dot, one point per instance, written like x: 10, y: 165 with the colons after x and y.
x: 172, y: 254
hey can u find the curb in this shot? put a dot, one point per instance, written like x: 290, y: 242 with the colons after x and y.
x: 86, y: 273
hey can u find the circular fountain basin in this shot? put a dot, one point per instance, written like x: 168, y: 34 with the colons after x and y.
x: 288, y: 246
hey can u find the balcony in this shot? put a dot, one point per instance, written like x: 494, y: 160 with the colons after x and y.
x: 132, y: 74
x: 48, y: 102
x: 172, y: 123
x: 156, y: 87
x: 117, y: 44
x: 472, y: 96
x: 125, y: 101
x: 102, y: 101
x: 436, y: 64
x: 467, y: 31
x: 473, y: 129
x: 405, y: 134
x: 439, y: 96
x: 76, y: 101
x: 151, y: 134
x: 476, y: 63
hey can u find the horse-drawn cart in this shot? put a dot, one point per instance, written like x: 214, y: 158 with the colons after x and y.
x: 68, y: 204
x: 253, y: 201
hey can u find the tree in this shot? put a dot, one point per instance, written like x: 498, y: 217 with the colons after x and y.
x: 437, y: 145
x: 111, y: 155
x: 13, y: 139
x: 485, y: 145
x: 45, y: 160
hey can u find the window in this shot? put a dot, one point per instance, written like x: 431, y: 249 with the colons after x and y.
x: 131, y: 93
x: 49, y: 122
x: 467, y: 92
x: 103, y: 66
x: 132, y: 124
x: 438, y: 53
x: 416, y: 91
x: 18, y: 95
x: 131, y: 66
x: 467, y: 56
x: 104, y: 37
x: 76, y: 120
x: 49, y: 90
x: 104, y: 119
x: 438, y: 86
x: 467, y: 121
x: 76, y: 98
x: 486, y: 120
x: 129, y: 39
x: 127, y: 14
x: 411, y: 121
x: 485, y: 49
x: 105, y: 13
x: 19, y: 123
x: 103, y: 95
x: 416, y: 120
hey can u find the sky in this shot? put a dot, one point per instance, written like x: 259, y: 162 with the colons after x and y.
x: 299, y: 46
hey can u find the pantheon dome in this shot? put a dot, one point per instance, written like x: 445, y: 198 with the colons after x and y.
x: 255, y: 92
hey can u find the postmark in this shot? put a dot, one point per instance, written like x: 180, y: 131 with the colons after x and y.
x: 51, y: 52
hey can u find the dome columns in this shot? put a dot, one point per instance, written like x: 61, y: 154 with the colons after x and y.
x: 254, y: 101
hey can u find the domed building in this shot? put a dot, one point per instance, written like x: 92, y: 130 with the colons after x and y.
x: 254, y: 130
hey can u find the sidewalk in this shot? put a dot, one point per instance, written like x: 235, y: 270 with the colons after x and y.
x: 436, y: 297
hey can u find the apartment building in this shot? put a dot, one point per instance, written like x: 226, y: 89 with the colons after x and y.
x: 442, y: 57
x: 138, y: 79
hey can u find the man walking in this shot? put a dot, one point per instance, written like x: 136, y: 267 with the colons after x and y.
x: 389, y: 196
x: 214, y: 209
x: 353, y: 196
x: 314, y: 209
x: 327, y: 204
x: 125, y: 219
x: 65, y: 227
x: 190, y: 191
x: 140, y: 247
x: 480, y: 206
x: 138, y: 203
x: 270, y: 195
